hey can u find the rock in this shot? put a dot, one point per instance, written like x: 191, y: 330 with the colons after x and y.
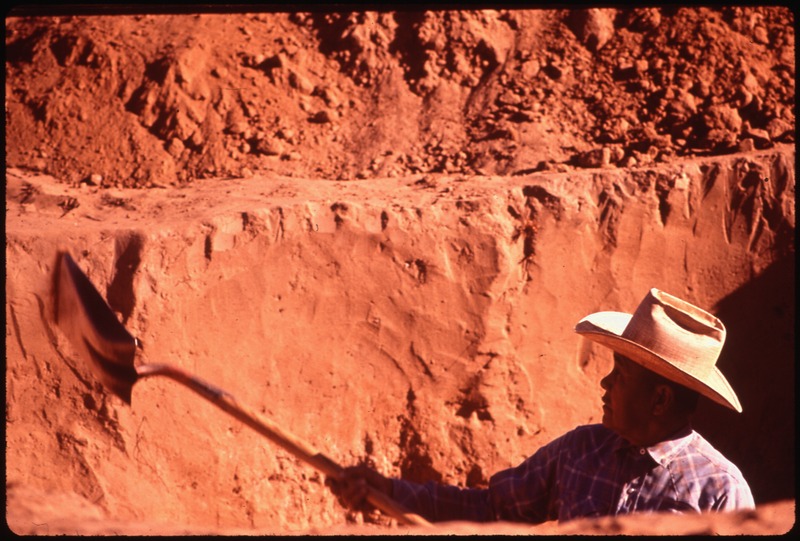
x: 255, y: 60
x: 746, y: 145
x: 723, y: 123
x: 237, y: 128
x: 760, y: 35
x: 644, y: 19
x: 750, y: 82
x: 682, y: 106
x: 746, y: 97
x: 760, y: 136
x: 630, y: 162
x: 300, y: 82
x: 598, y: 157
x: 190, y: 70
x: 287, y: 134
x: 617, y: 154
x: 269, y: 146
x: 197, y: 139
x: 329, y: 96
x: 95, y: 179
x: 321, y: 117
x: 184, y: 126
x: 593, y: 27
x: 509, y: 98
x: 175, y: 147
x: 250, y: 110
x: 778, y: 128
x: 530, y: 69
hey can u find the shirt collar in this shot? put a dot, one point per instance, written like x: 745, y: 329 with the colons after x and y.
x: 663, y: 451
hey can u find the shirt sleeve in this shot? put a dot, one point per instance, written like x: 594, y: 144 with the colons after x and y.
x: 521, y: 494
x: 527, y: 492
x: 437, y: 502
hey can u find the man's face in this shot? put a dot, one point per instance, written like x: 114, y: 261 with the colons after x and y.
x: 627, y: 401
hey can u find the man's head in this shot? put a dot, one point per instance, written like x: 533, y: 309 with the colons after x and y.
x: 669, y: 338
x: 642, y: 406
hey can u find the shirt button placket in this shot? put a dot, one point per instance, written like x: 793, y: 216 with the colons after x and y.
x: 633, y: 494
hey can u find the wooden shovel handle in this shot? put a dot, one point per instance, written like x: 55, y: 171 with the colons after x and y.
x: 299, y: 448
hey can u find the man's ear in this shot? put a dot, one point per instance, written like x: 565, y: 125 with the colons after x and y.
x: 663, y: 398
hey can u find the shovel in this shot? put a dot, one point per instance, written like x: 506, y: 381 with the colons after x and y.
x: 94, y: 330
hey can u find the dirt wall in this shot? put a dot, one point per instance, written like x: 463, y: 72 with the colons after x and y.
x: 425, y: 327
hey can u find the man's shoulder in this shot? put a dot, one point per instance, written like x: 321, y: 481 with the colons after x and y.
x: 716, y: 474
x: 701, y: 450
x: 593, y: 435
x: 597, y: 430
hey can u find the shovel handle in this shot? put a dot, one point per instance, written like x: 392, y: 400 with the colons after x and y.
x: 299, y: 448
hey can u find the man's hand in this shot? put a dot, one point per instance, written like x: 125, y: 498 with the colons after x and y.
x: 352, y: 488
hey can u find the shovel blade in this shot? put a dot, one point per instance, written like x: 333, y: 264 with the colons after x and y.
x: 92, y: 328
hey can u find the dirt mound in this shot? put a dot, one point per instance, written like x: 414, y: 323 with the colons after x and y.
x: 159, y: 99
x: 378, y: 230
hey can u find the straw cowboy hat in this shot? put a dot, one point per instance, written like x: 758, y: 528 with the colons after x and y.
x: 670, y: 337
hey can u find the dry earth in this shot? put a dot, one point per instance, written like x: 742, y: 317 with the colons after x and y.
x: 378, y: 230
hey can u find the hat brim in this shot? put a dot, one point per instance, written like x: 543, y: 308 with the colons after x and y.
x: 606, y: 328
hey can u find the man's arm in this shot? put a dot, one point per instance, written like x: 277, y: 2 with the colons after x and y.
x: 438, y: 502
x: 523, y: 493
x: 433, y: 501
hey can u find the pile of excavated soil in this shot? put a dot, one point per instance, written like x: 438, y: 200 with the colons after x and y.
x: 378, y: 230
x: 148, y: 100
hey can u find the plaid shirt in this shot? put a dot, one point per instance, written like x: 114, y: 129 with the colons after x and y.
x: 591, y: 471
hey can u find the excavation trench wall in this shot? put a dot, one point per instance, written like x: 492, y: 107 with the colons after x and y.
x: 424, y: 325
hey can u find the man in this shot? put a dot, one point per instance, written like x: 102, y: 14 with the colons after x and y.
x: 645, y: 456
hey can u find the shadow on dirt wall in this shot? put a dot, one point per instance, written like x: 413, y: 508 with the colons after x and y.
x: 758, y: 361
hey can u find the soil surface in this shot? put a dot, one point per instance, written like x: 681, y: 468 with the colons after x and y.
x: 377, y: 230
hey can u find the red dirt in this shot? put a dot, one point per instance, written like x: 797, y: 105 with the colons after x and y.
x: 378, y: 229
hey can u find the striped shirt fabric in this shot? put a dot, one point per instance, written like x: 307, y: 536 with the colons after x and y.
x: 589, y: 472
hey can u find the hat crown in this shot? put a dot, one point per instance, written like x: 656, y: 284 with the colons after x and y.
x: 681, y: 333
